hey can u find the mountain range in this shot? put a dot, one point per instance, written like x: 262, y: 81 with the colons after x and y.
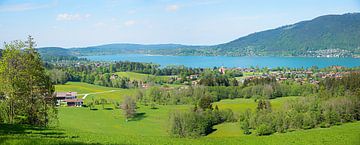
x: 324, y: 36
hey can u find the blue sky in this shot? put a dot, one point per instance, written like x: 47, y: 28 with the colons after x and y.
x: 77, y: 23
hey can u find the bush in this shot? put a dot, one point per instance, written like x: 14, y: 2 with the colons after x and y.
x: 244, y: 120
x: 308, y: 121
x: 245, y: 126
x: 227, y: 115
x: 197, y: 122
x: 264, y: 129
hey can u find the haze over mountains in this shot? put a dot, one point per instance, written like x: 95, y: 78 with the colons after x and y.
x: 324, y: 36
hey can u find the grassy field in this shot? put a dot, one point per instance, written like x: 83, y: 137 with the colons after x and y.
x: 96, y: 92
x: 239, y: 105
x: 84, y: 126
x: 108, y: 126
x: 142, y: 77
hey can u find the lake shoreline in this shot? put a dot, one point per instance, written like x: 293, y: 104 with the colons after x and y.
x: 230, y: 61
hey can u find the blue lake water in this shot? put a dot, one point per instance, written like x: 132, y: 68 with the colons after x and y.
x: 226, y: 61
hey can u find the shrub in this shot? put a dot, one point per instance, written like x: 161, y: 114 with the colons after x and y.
x: 245, y: 126
x: 195, y: 123
x: 264, y: 129
x: 227, y: 115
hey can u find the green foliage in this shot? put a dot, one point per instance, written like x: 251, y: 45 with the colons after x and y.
x: 129, y: 108
x: 245, y: 121
x: 303, y: 113
x: 264, y: 129
x: 195, y: 123
x: 27, y: 90
x: 58, y: 76
x: 205, y: 102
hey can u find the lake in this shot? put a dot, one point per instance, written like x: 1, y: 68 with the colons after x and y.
x: 227, y: 61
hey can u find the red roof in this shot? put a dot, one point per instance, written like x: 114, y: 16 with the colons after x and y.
x: 64, y: 94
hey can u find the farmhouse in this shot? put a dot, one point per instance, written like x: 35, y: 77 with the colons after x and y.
x: 222, y: 70
x: 69, y: 98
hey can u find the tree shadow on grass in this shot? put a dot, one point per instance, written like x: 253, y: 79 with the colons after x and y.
x: 35, y: 140
x: 19, y: 129
x: 139, y: 116
x: 15, y: 132
x: 108, y: 108
x: 25, y: 134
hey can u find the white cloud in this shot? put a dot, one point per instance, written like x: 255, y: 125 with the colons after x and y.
x: 24, y: 7
x: 129, y: 23
x: 172, y: 8
x: 71, y: 17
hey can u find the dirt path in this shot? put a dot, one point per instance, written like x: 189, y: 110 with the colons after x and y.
x: 85, y: 95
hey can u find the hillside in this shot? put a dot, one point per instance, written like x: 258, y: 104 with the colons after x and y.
x: 329, y: 36
x: 339, y: 32
x: 123, y: 48
x: 54, y: 51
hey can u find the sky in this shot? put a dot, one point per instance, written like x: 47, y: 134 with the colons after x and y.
x: 80, y: 23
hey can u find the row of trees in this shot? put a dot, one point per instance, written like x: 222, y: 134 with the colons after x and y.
x: 336, y: 102
x: 190, y: 94
x: 26, y: 92
x: 305, y: 113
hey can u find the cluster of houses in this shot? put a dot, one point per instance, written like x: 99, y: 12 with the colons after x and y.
x: 69, y: 99
x: 300, y: 76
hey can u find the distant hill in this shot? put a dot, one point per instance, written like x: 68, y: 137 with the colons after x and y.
x: 54, y: 51
x: 124, y: 48
x: 107, y: 49
x: 325, y: 32
x: 325, y: 36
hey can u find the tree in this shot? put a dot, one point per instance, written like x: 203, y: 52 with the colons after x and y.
x: 103, y: 102
x: 264, y: 105
x: 27, y: 88
x: 129, y: 108
x: 245, y: 121
x: 57, y: 76
x: 205, y: 102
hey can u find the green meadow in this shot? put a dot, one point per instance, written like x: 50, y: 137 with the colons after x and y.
x: 94, y: 91
x: 108, y: 126
x: 142, y: 77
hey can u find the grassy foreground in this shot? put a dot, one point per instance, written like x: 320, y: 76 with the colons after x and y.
x: 108, y: 126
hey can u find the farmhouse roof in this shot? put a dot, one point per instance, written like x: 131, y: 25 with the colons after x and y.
x: 64, y: 94
x: 73, y: 100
